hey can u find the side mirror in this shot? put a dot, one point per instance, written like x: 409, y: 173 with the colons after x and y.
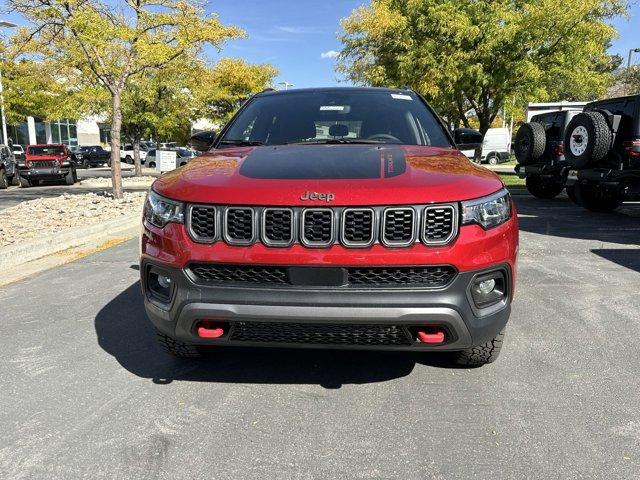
x: 467, y: 138
x: 202, y: 141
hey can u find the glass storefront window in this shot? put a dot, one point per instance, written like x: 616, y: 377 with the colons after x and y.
x: 41, y: 136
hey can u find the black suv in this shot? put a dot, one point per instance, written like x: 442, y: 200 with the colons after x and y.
x: 601, y: 147
x: 91, y: 156
x: 8, y: 167
x: 539, y: 149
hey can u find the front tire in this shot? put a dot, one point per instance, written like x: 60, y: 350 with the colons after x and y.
x: 4, y: 181
x: 541, y: 187
x: 598, y: 198
x: 482, y: 354
x: 69, y: 178
x: 492, y: 159
x: 24, y: 183
x: 128, y: 160
x: 177, y: 348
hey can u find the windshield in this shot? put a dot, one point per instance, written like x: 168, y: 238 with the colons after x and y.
x: 46, y: 150
x: 340, y: 116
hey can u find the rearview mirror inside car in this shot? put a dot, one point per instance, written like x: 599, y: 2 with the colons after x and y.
x: 467, y: 138
x: 202, y: 141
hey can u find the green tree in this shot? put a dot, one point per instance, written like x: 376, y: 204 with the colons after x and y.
x: 471, y: 57
x: 112, y: 42
x: 164, y: 104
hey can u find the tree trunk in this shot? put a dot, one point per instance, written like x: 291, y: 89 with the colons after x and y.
x: 116, y: 125
x: 136, y: 156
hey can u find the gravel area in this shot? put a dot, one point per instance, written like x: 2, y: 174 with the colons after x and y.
x: 44, y: 216
x: 126, y: 181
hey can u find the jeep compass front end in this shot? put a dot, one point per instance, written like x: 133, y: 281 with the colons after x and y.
x: 331, y: 218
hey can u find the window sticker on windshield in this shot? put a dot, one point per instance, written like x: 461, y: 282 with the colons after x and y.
x: 400, y: 96
x: 338, y: 108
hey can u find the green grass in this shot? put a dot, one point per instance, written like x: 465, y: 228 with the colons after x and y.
x: 512, y: 180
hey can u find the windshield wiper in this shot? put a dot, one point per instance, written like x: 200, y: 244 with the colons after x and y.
x: 336, y: 141
x: 242, y: 143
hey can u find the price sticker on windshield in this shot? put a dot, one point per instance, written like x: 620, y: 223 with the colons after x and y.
x: 331, y: 108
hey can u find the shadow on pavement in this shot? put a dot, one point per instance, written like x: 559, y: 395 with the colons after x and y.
x: 561, y: 218
x: 629, y: 258
x: 124, y: 331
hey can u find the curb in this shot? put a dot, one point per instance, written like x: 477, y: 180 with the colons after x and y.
x: 13, y: 256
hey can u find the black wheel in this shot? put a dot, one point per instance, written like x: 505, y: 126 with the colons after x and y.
x: 587, y: 139
x: 482, y: 354
x: 4, y: 181
x: 178, y: 348
x: 492, y: 159
x: 24, y: 183
x: 15, y: 180
x: 571, y: 193
x: 69, y: 177
x: 128, y: 159
x: 85, y: 163
x: 530, y: 142
x: 152, y: 164
x: 543, y: 187
x: 598, y: 198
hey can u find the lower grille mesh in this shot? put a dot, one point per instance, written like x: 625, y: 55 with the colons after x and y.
x: 319, y: 334
x: 436, y: 276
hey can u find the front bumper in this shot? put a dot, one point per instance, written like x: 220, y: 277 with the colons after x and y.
x: 55, y: 173
x: 450, y: 308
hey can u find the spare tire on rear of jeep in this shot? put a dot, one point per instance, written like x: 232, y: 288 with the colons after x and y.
x: 587, y: 139
x: 530, y: 143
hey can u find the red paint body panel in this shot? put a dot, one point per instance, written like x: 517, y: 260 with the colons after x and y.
x: 61, y: 157
x: 432, y: 175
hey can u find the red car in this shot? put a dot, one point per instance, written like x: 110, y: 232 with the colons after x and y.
x: 46, y: 162
x: 332, y: 218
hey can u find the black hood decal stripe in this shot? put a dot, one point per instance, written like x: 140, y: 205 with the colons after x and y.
x: 318, y: 162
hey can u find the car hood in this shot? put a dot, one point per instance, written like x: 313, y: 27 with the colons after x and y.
x: 352, y: 174
x: 59, y: 157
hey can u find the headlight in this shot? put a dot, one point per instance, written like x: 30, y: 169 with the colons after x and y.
x: 488, y: 212
x: 159, y: 210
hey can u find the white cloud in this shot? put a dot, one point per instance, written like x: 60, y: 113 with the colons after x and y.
x: 329, y: 54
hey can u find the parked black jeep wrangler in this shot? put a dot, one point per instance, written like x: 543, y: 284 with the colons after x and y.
x: 539, y: 149
x: 602, y: 146
x: 8, y: 168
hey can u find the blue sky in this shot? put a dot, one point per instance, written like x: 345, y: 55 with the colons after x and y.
x: 293, y: 35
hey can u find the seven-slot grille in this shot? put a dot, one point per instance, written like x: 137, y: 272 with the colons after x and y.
x: 322, y: 227
x: 431, y: 276
x: 43, y: 163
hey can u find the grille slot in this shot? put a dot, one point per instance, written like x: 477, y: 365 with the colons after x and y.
x: 277, y: 228
x: 430, y: 277
x: 358, y: 227
x: 317, y: 227
x: 224, y: 273
x: 433, y: 276
x: 320, y: 334
x: 398, y: 227
x: 239, y: 225
x: 438, y: 224
x: 202, y: 223
x: 43, y: 163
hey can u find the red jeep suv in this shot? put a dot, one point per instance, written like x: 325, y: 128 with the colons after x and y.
x: 331, y: 218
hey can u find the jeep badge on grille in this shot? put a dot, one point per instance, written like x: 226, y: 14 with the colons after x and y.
x: 326, y: 197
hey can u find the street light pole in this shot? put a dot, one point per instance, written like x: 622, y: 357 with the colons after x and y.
x: 4, y: 23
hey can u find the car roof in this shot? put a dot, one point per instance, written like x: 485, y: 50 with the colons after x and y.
x: 334, y: 90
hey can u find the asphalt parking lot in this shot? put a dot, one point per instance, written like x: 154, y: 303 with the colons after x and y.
x: 15, y: 195
x: 86, y: 393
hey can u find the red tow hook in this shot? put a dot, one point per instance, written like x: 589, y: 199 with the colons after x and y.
x: 210, y: 330
x: 433, y: 338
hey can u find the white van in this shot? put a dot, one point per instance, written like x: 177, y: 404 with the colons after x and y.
x: 496, y: 146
